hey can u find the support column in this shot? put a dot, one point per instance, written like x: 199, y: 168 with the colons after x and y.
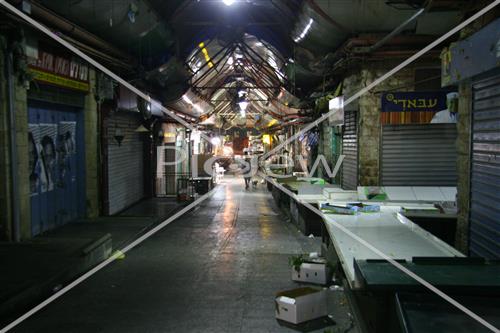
x: 463, y: 166
x: 5, y: 185
x: 91, y: 118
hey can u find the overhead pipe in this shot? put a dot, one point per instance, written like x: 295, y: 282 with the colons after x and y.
x: 327, y: 17
x: 43, y: 14
x: 396, y: 31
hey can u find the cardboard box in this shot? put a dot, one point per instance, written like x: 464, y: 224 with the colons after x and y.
x: 313, y: 272
x: 300, y: 305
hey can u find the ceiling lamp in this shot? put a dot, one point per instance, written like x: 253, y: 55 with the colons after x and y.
x: 215, y: 141
x: 141, y: 129
x: 228, y: 2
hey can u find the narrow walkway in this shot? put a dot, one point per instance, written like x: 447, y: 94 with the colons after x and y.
x: 32, y: 270
x: 215, y: 269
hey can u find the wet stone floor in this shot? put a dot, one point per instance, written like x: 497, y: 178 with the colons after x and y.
x: 215, y: 269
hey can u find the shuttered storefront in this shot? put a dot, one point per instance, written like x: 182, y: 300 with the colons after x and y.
x: 484, y: 239
x: 419, y: 155
x: 56, y: 163
x: 125, y: 161
x: 350, y: 151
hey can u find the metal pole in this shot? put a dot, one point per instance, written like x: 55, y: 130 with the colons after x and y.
x: 396, y: 31
x: 16, y: 229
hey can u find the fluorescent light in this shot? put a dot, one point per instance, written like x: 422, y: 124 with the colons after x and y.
x: 228, y: 2
x: 186, y: 99
x: 305, y: 31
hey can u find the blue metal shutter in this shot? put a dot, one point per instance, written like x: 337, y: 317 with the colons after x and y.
x: 484, y: 239
x: 57, y: 165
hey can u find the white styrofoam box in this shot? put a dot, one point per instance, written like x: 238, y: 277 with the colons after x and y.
x: 319, y: 273
x: 331, y: 189
x: 307, y: 189
x: 299, y: 305
x: 344, y: 196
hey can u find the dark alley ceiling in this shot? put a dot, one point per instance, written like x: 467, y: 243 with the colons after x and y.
x: 286, y: 47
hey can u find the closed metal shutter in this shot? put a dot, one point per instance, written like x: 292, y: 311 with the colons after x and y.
x: 57, y: 163
x: 484, y: 239
x: 350, y: 151
x: 125, y: 162
x: 419, y: 155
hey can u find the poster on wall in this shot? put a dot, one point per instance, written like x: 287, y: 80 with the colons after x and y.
x: 36, y: 168
x: 66, y: 147
x: 48, y: 137
x: 417, y: 107
x: 50, y: 148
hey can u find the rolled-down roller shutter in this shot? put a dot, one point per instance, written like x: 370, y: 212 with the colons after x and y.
x: 484, y: 237
x: 419, y: 155
x: 125, y: 162
x: 350, y: 151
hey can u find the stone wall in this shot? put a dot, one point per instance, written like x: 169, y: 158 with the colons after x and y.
x: 92, y: 161
x: 368, y: 106
x: 22, y: 166
x: 23, y: 173
x: 463, y: 166
x: 5, y: 185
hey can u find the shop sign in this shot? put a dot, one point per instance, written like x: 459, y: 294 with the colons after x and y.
x: 60, y: 71
x: 414, y: 101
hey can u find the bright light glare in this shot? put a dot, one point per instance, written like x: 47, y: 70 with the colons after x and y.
x: 228, y: 2
x: 230, y: 61
x: 198, y: 108
x: 243, y: 105
x: 227, y: 151
x: 243, y: 114
x: 215, y: 141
